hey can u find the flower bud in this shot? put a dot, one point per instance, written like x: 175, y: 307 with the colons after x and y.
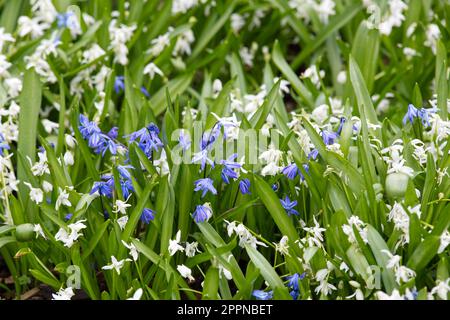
x: 396, y: 185
x: 24, y: 232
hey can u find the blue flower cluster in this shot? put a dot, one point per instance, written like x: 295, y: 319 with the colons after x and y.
x: 293, y: 283
x: 97, y: 140
x: 422, y: 113
x: 147, y: 139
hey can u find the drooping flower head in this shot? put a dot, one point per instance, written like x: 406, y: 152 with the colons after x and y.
x: 202, y: 213
x: 205, y: 185
x: 147, y: 215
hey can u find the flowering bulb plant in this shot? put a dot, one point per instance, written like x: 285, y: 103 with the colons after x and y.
x: 232, y: 149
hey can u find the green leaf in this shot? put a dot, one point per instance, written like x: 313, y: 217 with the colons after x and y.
x: 268, y: 272
x: 30, y: 104
x: 290, y: 75
x: 424, y: 253
x: 377, y: 245
x: 362, y: 94
x: 260, y: 116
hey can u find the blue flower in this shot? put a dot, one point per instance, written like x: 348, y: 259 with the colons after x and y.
x: 275, y: 187
x: 209, y: 138
x: 289, y: 205
x: 145, y: 92
x: 105, y: 143
x: 104, y: 188
x: 244, y: 186
x: 202, y: 213
x: 63, y: 19
x: 68, y: 216
x: 205, y: 185
x: 202, y: 157
x: 294, y: 294
x: 229, y: 167
x: 262, y: 295
x: 329, y: 136
x: 123, y: 171
x: 306, y: 168
x: 90, y: 131
x: 313, y: 154
x: 294, y: 279
x: 185, y: 143
x: 424, y: 115
x: 147, y: 215
x: 119, y: 84
x: 290, y: 171
x: 113, y: 133
x: 3, y: 145
x: 127, y: 187
x: 410, y: 114
x: 148, y: 139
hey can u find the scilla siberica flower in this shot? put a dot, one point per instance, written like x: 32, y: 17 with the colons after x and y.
x: 205, y: 185
x: 292, y: 170
x: 421, y: 113
x: 119, y: 84
x: 148, y: 139
x: 289, y: 206
x: 97, y: 140
x: 202, y: 213
x: 3, y: 145
x: 244, y: 186
x: 228, y: 169
x: 262, y: 295
x: 147, y: 215
x: 329, y: 136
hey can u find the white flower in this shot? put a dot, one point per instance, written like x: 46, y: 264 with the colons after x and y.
x: 39, y: 232
x: 433, y: 34
x: 320, y: 113
x: 115, y: 264
x: 315, y: 234
x: 94, y: 52
x: 247, y: 56
x: 36, y: 194
x: 70, y: 141
x: 47, y: 186
x: 33, y: 26
x: 5, y: 37
x: 442, y: 288
x: 122, y: 222
x: 63, y: 294
x: 63, y: 199
x: 68, y: 158
x: 69, y: 238
x: 237, y: 22
x: 342, y: 77
x: 119, y: 36
x: 174, y: 245
x: 183, y: 44
x: 14, y: 86
x: 191, y: 248
x: 137, y: 294
x: 395, y: 295
x: 185, y: 272
x: 151, y: 69
x: 4, y: 66
x: 41, y: 167
x: 121, y: 206
x: 314, y: 75
x: 284, y: 85
x: 182, y: 6
x: 283, y: 246
x: 445, y: 241
x: 133, y: 251
x: 159, y: 44
x: 394, y: 260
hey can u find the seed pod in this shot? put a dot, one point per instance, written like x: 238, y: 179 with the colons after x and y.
x: 24, y: 232
x: 396, y: 185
